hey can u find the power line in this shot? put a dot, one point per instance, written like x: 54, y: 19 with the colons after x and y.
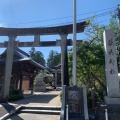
x: 61, y: 17
x: 84, y: 19
x: 96, y: 11
x: 98, y: 15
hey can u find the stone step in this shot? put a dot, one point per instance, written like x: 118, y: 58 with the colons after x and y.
x: 50, y: 112
x: 53, y: 110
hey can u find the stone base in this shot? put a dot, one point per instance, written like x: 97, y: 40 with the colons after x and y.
x: 3, y: 100
x: 112, y: 109
x: 39, y: 88
x: 109, y: 100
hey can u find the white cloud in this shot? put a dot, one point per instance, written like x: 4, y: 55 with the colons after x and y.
x: 2, y: 25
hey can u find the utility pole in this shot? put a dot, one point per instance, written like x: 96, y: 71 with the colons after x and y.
x: 118, y: 46
x: 74, y: 43
x: 119, y: 14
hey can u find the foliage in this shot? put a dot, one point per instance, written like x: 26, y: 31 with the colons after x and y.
x: 90, y: 68
x: 37, y: 56
x: 15, y: 95
x: 94, y: 32
x: 53, y: 59
x: 61, y: 96
x: 48, y: 79
x: 47, y: 85
x: 90, y: 58
x: 90, y: 64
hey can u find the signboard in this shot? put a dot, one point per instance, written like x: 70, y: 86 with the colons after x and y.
x: 75, y: 100
x: 111, y: 64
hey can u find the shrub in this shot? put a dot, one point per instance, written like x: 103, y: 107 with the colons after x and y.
x: 61, y: 96
x: 48, y: 84
x: 98, y: 97
x: 15, y: 95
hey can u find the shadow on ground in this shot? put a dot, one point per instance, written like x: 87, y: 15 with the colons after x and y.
x: 15, y: 117
x: 6, y: 108
x: 38, y: 98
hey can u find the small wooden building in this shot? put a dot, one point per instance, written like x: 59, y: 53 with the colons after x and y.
x: 23, y: 71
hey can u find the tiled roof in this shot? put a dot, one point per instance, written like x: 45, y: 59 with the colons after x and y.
x: 20, y: 56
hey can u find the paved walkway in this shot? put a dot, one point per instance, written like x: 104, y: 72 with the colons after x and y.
x: 41, y: 98
x: 25, y: 116
x: 50, y: 98
x: 6, y: 108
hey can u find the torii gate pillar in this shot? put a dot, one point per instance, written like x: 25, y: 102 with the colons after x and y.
x: 8, y: 68
x: 64, y: 60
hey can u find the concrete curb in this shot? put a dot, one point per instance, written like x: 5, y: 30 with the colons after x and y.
x: 10, y: 113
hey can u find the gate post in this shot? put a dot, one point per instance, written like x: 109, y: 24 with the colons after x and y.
x: 8, y: 68
x: 64, y: 60
x: 55, y: 79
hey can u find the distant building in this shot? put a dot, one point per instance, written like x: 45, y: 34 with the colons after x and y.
x: 56, y: 71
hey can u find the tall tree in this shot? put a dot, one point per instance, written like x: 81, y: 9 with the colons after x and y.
x: 37, y: 56
x: 90, y: 56
x: 90, y: 64
x: 53, y: 59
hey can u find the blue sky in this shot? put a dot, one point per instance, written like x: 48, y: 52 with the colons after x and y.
x: 39, y: 13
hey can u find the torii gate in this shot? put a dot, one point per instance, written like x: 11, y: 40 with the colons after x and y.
x: 12, y: 33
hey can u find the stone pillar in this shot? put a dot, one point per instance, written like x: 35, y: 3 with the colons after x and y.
x: 63, y: 106
x: 32, y: 82
x: 8, y: 67
x: 55, y: 78
x: 21, y: 81
x: 53, y: 83
x: 85, y: 102
x: 111, y: 68
x: 64, y: 60
x: 36, y: 40
x: 16, y: 85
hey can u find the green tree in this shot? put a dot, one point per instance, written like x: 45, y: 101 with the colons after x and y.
x: 90, y: 64
x: 53, y: 59
x: 90, y: 68
x: 37, y: 56
x: 90, y: 56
